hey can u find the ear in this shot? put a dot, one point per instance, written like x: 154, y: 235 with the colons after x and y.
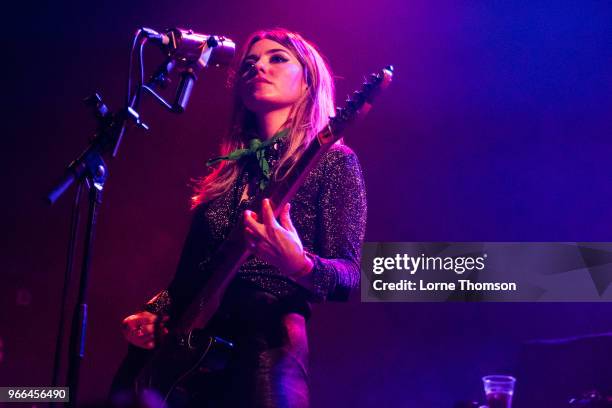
x: 306, y: 84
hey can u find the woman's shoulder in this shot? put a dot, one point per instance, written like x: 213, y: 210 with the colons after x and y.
x: 338, y: 165
x: 338, y: 150
x: 340, y: 156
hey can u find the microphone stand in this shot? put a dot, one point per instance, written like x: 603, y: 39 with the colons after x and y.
x: 90, y: 170
x: 189, y: 50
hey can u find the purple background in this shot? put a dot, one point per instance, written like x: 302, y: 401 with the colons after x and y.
x: 496, y: 128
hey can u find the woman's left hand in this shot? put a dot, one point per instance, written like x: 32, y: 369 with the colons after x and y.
x: 277, y: 243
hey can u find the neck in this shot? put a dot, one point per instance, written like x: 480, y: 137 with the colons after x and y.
x: 268, y: 123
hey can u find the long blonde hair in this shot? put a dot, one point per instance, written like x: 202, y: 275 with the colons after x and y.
x: 309, y: 114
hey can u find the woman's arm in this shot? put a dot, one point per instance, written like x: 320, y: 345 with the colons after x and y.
x: 341, y: 216
x: 333, y: 270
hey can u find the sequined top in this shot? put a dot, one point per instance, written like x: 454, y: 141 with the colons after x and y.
x: 329, y: 214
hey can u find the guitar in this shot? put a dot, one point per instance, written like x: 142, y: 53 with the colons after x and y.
x: 188, y: 347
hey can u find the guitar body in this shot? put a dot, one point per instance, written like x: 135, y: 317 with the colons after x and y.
x: 163, y: 373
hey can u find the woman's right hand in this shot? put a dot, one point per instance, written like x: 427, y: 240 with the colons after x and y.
x: 139, y: 329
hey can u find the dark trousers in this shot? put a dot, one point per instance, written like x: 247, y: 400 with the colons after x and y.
x: 268, y: 366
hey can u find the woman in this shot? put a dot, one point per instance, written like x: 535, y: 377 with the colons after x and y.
x: 284, y: 96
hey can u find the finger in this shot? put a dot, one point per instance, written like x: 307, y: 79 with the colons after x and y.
x: 144, y: 338
x: 143, y: 329
x: 161, y: 324
x: 252, y: 215
x: 160, y: 331
x: 251, y: 238
x: 257, y: 228
x: 136, y: 320
x: 268, y: 213
x: 285, y: 219
x: 129, y: 326
x: 140, y: 341
x: 249, y: 232
x: 125, y: 324
x: 147, y: 329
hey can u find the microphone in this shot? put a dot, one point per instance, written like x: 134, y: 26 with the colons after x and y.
x: 191, y: 52
x: 188, y: 47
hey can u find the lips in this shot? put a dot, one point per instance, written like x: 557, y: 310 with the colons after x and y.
x: 259, y: 79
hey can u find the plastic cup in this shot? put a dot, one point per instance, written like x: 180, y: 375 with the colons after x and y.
x: 499, y: 390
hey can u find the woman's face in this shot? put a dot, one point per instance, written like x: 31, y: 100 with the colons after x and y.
x: 271, y: 77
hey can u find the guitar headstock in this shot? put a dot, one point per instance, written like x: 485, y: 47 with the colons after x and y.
x: 361, y: 101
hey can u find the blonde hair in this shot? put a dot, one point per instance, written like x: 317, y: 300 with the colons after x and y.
x: 309, y: 115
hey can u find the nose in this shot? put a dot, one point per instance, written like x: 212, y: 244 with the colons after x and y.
x: 260, y: 66
x: 253, y: 69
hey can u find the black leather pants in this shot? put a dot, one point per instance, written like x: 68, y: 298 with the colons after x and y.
x: 268, y: 367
